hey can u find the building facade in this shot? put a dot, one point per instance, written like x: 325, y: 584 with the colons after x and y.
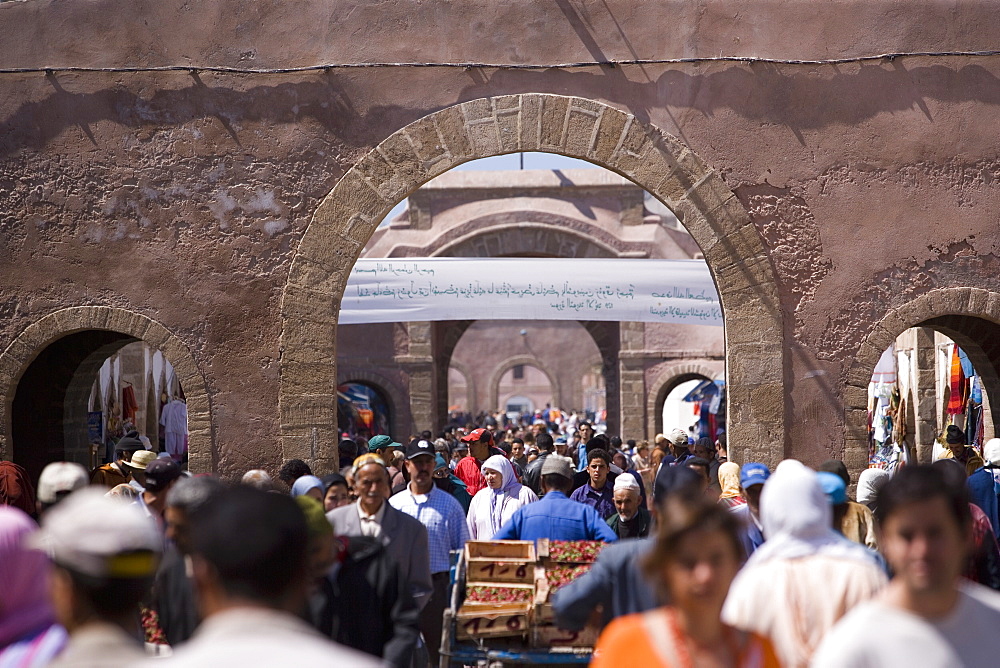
x: 203, y: 177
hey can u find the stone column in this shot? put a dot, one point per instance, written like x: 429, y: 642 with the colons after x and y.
x: 925, y: 393
x: 632, y: 381
x: 418, y: 364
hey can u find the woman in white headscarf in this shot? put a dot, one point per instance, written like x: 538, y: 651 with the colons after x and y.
x: 805, y: 576
x: 493, y: 506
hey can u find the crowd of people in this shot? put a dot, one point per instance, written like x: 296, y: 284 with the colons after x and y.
x: 708, y: 562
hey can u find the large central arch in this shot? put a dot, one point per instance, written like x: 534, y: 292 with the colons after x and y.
x: 570, y: 126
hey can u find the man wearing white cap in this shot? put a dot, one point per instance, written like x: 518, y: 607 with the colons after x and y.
x: 57, y: 481
x: 631, y: 520
x: 105, y: 553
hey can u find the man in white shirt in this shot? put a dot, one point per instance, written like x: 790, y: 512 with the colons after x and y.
x: 403, y: 537
x: 928, y: 616
x: 447, y: 530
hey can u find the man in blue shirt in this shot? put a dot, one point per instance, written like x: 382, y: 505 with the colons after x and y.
x: 555, y: 516
x: 599, y: 492
x: 446, y: 527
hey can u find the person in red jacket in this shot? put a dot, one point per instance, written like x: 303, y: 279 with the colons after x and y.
x: 480, y: 448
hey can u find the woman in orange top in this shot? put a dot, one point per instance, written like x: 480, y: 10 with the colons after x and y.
x: 696, y: 556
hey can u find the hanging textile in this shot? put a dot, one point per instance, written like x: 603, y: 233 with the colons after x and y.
x: 129, y: 404
x: 956, y: 401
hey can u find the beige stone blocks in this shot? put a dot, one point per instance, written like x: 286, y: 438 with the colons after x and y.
x: 577, y: 127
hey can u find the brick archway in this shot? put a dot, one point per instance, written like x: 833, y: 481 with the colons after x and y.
x: 570, y: 126
x: 132, y: 327
x: 667, y: 380
x: 969, y: 316
x: 507, y: 365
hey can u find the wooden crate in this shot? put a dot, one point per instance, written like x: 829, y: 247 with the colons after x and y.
x: 500, y: 562
x: 488, y: 570
x: 493, y: 621
x: 502, y: 550
x: 551, y: 636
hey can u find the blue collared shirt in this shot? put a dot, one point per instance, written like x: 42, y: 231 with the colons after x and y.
x: 556, y: 517
x: 444, y: 518
x: 603, y: 500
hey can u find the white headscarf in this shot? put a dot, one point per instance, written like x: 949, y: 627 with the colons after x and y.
x: 797, y: 519
x: 991, y: 451
x: 869, y: 483
x: 509, y: 490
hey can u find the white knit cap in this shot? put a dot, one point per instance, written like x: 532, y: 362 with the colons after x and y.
x: 626, y: 481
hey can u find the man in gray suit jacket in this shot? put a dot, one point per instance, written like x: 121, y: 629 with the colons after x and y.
x: 404, y: 538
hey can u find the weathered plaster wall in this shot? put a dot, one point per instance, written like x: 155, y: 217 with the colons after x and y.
x: 184, y: 197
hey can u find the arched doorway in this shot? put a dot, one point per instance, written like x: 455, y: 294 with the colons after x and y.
x: 363, y: 410
x: 52, y: 369
x: 909, y: 357
x: 574, y: 127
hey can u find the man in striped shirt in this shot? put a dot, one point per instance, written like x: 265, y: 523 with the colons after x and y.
x: 446, y: 531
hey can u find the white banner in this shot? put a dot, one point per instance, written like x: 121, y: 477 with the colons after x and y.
x: 412, y: 289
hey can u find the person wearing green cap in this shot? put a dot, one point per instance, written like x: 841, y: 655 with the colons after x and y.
x: 382, y: 446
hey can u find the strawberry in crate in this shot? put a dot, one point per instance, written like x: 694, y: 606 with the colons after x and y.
x: 481, y: 594
x: 575, y: 551
x: 557, y: 576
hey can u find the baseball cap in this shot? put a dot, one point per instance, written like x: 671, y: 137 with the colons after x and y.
x: 141, y: 459
x: 160, y: 473
x: 99, y: 536
x: 560, y: 440
x: 381, y: 442
x: 678, y: 437
x: 416, y: 448
x: 754, y: 473
x: 558, y: 465
x: 833, y: 486
x: 478, y: 435
x: 60, y: 478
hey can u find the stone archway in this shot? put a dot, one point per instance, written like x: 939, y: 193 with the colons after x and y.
x: 526, y: 360
x: 125, y: 326
x: 394, y: 396
x: 667, y: 380
x: 575, y: 127
x: 969, y: 316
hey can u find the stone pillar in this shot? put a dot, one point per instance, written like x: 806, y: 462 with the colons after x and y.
x: 418, y: 365
x: 632, y: 380
x: 925, y: 412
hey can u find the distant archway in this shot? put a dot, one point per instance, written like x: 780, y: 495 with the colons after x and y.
x: 522, y: 360
x: 667, y: 381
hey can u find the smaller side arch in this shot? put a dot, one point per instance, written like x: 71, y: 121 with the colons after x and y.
x: 667, y: 380
x: 969, y: 316
x: 394, y: 396
x: 24, y: 349
x: 510, y: 363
